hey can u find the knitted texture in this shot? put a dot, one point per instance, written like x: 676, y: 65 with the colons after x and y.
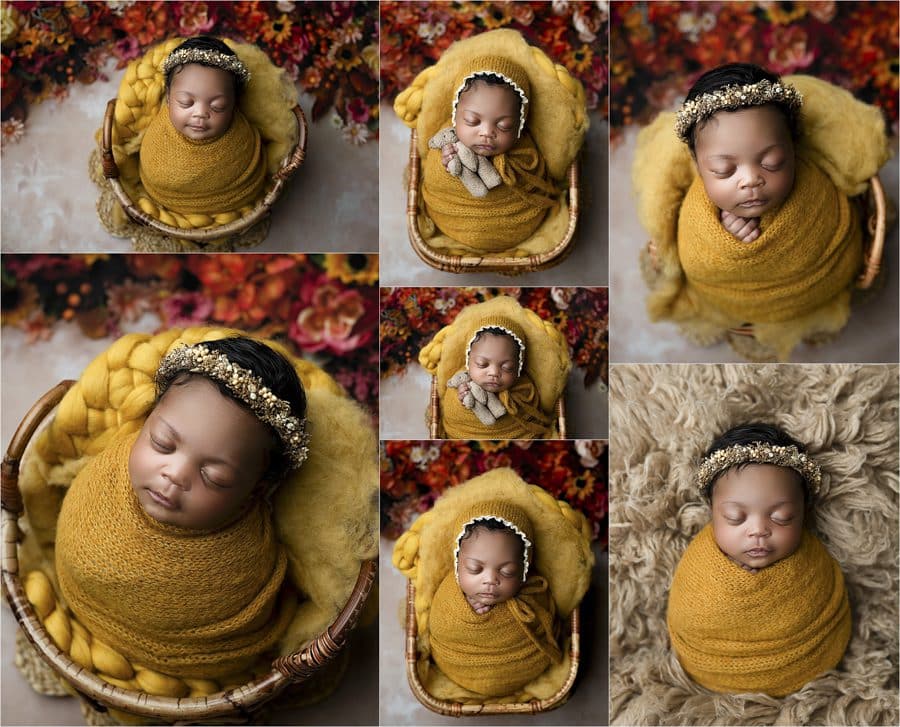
x: 524, y: 418
x: 267, y: 102
x: 771, y: 631
x: 498, y: 652
x: 324, y: 512
x: 202, y: 177
x: 188, y: 603
x: 509, y: 514
x: 507, y: 215
x: 547, y: 360
x: 557, y: 117
x: 512, y: 72
x: 562, y: 554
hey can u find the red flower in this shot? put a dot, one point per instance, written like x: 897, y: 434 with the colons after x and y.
x: 332, y: 317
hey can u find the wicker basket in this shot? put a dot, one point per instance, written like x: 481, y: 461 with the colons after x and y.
x: 235, y: 705
x: 874, y: 229
x: 434, y: 412
x: 228, y: 232
x: 491, y: 262
x: 458, y: 709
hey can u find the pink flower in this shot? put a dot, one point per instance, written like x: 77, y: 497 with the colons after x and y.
x: 129, y: 300
x: 185, y: 309
x: 589, y: 451
x: 822, y: 10
x: 789, y: 52
x: 358, y: 110
x: 562, y: 297
x: 332, y: 317
x: 195, y: 18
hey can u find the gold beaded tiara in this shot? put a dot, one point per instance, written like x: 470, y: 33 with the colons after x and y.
x: 759, y: 453
x: 207, y: 57
x: 734, y: 98
x: 244, y: 385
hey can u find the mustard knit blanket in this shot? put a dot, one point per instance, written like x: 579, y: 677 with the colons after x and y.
x: 808, y: 254
x: 498, y: 652
x: 202, y: 177
x: 184, y: 602
x: 771, y: 631
x: 508, y: 215
x: 524, y: 418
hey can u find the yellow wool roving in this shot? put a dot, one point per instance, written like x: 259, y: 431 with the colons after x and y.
x: 771, y: 631
x: 183, y: 602
x: 202, y: 177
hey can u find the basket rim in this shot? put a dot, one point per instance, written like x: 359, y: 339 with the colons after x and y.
x: 292, y: 161
x: 290, y: 669
x: 486, y: 263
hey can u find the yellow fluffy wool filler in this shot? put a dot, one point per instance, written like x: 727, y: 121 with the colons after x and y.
x: 809, y: 252
x: 498, y: 652
x: 771, y: 631
x: 202, y: 177
x: 507, y: 216
x: 199, y: 604
x: 562, y: 547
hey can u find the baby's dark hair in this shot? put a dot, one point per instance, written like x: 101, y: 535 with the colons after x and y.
x: 494, y: 331
x: 750, y: 434
x: 738, y: 74
x: 492, y: 79
x: 491, y: 525
x: 205, y: 42
x: 276, y: 372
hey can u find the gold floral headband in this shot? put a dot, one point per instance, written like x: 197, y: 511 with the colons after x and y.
x: 244, y: 385
x: 733, y: 98
x: 207, y: 57
x: 759, y: 453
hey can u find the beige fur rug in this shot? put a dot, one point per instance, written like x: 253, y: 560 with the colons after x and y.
x: 662, y: 419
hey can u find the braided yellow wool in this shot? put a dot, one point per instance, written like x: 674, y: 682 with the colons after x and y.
x: 547, y: 360
x: 267, y: 103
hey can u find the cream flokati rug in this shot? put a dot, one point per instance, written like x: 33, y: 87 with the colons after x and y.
x: 662, y: 419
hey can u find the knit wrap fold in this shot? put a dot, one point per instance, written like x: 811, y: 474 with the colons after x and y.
x: 771, y: 631
x: 498, y: 652
x: 202, y: 177
x: 188, y: 603
x: 508, y: 215
x: 524, y: 418
x: 808, y: 253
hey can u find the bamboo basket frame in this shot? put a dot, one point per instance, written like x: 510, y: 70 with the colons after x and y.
x: 435, y: 412
x: 874, y: 227
x: 485, y: 263
x: 111, y: 172
x: 101, y: 695
x: 458, y: 709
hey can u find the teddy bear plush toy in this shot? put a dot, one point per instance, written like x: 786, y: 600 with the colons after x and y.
x: 475, y: 171
x: 485, y: 404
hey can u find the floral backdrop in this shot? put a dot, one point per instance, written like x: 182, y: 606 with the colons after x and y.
x: 414, y: 474
x: 573, y: 34
x: 319, y: 305
x: 658, y: 49
x: 411, y: 316
x: 329, y: 48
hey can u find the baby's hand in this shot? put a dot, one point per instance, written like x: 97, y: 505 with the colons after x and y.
x: 745, y: 229
x: 477, y: 606
x: 448, y: 151
x: 461, y: 392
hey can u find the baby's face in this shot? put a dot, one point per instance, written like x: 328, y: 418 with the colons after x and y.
x: 746, y: 160
x: 757, y: 514
x: 487, y: 119
x: 198, y: 457
x: 490, y: 566
x: 201, y: 101
x: 494, y: 362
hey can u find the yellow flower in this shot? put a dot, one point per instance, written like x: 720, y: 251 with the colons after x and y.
x: 9, y: 22
x: 495, y: 16
x: 370, y: 56
x: 783, y: 13
x: 356, y: 268
x: 345, y: 57
x: 279, y: 30
x: 582, y: 58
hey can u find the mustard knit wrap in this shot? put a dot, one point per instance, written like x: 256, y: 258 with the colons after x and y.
x: 202, y: 177
x: 498, y: 652
x: 809, y: 252
x: 772, y: 631
x: 184, y: 602
x: 524, y: 418
x: 507, y: 215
